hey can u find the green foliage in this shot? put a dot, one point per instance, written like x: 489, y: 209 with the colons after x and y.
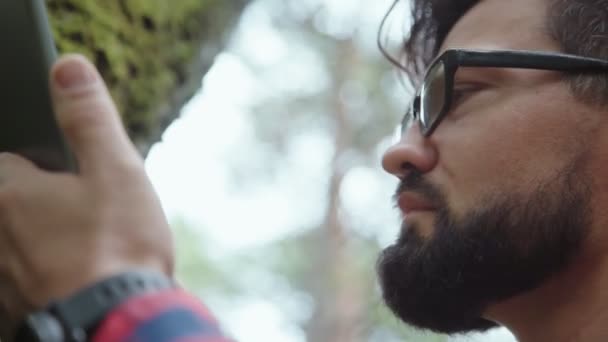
x: 294, y: 258
x: 196, y: 269
x: 291, y: 261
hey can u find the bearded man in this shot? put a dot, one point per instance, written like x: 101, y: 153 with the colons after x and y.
x: 502, y: 165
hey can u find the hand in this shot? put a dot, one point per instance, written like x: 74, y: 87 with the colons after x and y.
x: 60, y: 232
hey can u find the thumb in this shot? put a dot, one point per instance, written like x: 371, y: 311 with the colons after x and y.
x: 88, y: 117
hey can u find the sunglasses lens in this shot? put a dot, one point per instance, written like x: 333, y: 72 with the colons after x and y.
x: 432, y: 96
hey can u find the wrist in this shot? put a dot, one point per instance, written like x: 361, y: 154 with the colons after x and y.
x: 61, y: 285
x: 76, y: 317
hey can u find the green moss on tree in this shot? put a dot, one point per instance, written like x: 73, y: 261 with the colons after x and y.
x: 146, y: 50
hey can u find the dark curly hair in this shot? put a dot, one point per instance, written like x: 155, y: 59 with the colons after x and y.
x: 579, y: 26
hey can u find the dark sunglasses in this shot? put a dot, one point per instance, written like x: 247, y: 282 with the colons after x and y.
x: 434, y: 98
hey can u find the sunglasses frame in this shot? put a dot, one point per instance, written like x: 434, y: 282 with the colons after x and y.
x: 518, y: 59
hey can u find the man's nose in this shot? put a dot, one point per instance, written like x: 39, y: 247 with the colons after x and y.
x: 413, y: 151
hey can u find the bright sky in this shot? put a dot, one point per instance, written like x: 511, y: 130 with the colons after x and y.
x: 191, y: 167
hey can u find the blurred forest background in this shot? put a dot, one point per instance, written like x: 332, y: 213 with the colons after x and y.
x: 269, y: 169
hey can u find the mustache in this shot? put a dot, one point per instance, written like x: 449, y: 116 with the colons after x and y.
x: 415, y: 182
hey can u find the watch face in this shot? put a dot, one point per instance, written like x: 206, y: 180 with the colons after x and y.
x: 40, y: 327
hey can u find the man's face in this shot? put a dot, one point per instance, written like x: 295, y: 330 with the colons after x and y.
x: 497, y: 199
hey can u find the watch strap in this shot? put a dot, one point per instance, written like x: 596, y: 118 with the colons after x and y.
x: 78, y: 315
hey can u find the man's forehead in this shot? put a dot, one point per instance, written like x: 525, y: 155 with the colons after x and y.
x: 503, y: 24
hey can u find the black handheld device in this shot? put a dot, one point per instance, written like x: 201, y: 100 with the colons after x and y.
x: 27, y: 122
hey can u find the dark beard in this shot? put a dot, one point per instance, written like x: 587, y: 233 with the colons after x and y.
x: 509, y: 246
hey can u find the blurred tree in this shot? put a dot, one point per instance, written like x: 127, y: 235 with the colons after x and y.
x: 351, y: 104
x: 152, y: 53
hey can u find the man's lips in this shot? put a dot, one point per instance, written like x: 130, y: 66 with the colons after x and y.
x: 409, y: 202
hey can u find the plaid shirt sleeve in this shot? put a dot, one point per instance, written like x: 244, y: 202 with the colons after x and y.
x: 168, y: 316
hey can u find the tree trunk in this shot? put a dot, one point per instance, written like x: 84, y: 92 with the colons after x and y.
x: 339, y: 307
x: 152, y: 53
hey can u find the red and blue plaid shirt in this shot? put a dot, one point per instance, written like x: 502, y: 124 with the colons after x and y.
x: 169, y: 316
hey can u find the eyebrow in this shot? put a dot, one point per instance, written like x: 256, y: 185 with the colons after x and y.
x: 485, y: 72
x: 501, y: 75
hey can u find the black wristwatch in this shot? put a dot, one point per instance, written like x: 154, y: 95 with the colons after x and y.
x: 75, y: 319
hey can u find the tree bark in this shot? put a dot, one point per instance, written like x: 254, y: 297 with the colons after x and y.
x: 152, y: 53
